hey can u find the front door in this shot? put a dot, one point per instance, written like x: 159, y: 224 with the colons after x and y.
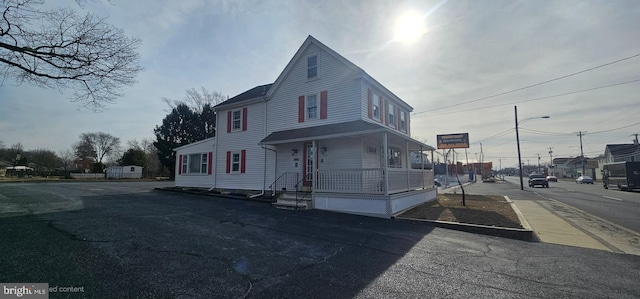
x: 309, y: 166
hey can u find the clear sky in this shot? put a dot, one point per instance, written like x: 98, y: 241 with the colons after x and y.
x: 468, y: 50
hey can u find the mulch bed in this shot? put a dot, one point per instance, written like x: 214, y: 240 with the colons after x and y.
x: 478, y: 209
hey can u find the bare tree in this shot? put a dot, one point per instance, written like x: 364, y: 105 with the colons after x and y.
x: 97, y: 146
x: 59, y: 49
x: 197, y: 101
x: 67, y: 159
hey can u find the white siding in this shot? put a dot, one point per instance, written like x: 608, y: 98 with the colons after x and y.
x: 196, y: 180
x: 364, y: 97
x: 340, y: 81
x: 253, y: 178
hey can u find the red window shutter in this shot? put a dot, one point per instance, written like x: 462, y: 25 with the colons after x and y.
x: 385, y: 112
x: 397, y: 118
x: 244, y: 119
x: 229, y: 122
x: 228, y: 162
x: 180, y: 165
x: 210, y: 161
x: 301, y: 109
x: 243, y: 160
x: 323, y: 104
x: 370, y: 99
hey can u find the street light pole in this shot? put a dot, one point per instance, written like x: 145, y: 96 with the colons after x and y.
x: 515, y: 109
x: 518, y: 142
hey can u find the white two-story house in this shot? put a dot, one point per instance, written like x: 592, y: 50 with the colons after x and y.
x: 325, y: 131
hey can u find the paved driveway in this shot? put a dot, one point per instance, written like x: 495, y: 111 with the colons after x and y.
x: 118, y: 239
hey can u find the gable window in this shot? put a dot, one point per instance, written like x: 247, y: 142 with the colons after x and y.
x: 236, y: 120
x: 392, y: 116
x: 403, y: 121
x: 312, y: 67
x: 312, y: 107
x: 133, y: 169
x: 376, y: 106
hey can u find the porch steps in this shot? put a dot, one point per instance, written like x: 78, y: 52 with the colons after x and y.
x: 287, y: 201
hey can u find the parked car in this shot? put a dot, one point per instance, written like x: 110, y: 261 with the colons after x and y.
x: 538, y: 181
x: 584, y: 179
x: 552, y: 178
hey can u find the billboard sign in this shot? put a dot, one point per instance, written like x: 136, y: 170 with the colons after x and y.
x: 447, y: 141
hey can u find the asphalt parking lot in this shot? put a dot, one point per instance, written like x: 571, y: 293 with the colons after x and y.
x: 126, y: 240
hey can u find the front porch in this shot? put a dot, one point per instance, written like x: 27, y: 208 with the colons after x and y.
x: 357, y: 168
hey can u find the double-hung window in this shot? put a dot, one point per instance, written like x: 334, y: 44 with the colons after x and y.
x: 236, y: 120
x: 312, y: 67
x: 184, y: 163
x: 203, y: 164
x: 235, y: 162
x: 376, y: 106
x: 403, y: 121
x: 312, y: 106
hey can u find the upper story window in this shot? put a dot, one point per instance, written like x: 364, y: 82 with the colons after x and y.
x: 236, y: 120
x: 392, y: 115
x: 403, y: 121
x: 312, y: 67
x: 376, y: 106
x: 312, y: 107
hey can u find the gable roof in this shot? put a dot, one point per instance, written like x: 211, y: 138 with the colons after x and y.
x: 623, y: 150
x: 253, y: 93
x: 311, y: 40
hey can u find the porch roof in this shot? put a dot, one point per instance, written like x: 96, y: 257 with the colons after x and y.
x: 346, y: 129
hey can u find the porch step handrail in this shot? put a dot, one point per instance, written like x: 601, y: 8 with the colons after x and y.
x: 284, y: 182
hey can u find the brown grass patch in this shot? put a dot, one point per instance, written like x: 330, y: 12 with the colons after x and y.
x: 487, y: 210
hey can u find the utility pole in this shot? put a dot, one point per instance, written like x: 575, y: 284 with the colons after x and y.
x: 551, y: 161
x: 580, y: 133
x: 481, y: 159
x: 538, y: 163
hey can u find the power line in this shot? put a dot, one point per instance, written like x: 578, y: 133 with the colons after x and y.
x: 533, y: 85
x: 535, y: 99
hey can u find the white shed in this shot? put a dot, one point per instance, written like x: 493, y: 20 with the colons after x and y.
x: 194, y: 164
x: 124, y: 172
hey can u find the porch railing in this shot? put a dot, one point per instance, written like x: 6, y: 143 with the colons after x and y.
x: 371, y: 180
x: 288, y: 181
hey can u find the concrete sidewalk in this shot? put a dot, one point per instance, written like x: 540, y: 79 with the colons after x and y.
x: 557, y: 223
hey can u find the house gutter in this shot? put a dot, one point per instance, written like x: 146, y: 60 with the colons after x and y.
x: 264, y: 174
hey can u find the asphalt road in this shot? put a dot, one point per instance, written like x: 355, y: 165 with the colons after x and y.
x: 619, y: 207
x: 125, y: 240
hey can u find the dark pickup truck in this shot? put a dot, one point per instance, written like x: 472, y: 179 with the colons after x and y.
x: 538, y: 180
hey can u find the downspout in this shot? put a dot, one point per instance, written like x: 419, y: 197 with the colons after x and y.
x: 264, y: 173
x: 215, y: 155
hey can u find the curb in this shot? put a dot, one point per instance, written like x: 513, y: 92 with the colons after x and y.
x: 505, y: 232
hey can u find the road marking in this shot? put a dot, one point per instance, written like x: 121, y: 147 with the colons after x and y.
x: 571, y: 190
x: 612, y: 198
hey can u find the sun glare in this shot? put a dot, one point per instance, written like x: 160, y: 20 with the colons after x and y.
x: 409, y: 28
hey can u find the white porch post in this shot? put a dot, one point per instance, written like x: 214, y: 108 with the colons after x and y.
x: 408, y: 163
x: 386, y: 162
x: 314, y: 173
x: 422, y: 165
